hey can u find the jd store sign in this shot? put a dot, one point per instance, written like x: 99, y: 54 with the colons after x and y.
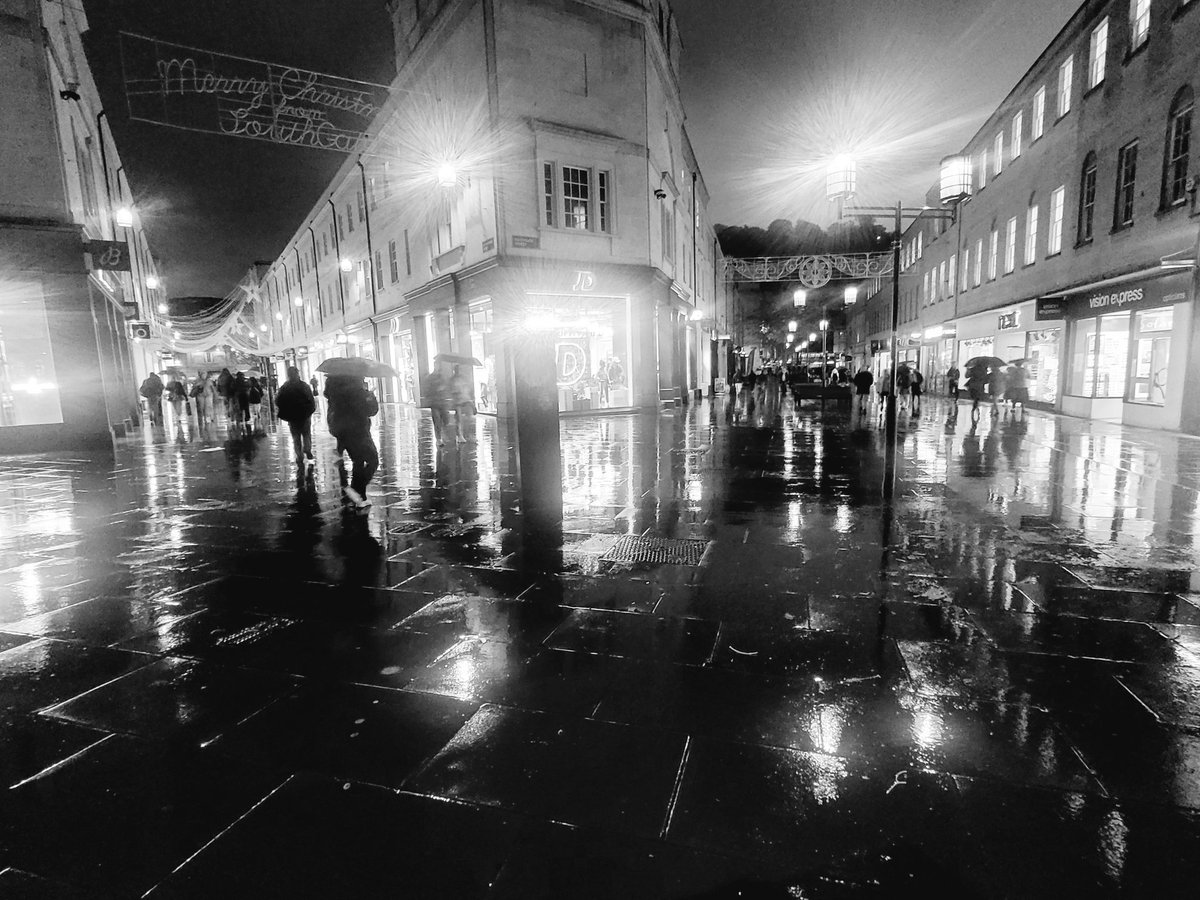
x: 1131, y: 295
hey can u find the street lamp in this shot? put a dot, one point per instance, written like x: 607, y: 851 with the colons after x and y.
x: 851, y: 294
x: 162, y: 309
x: 346, y: 265
x: 154, y: 283
x: 447, y: 175
x: 800, y: 298
x: 123, y: 217
x: 793, y: 325
x: 812, y: 336
x: 297, y: 301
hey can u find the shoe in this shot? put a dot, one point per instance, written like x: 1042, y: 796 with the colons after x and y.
x: 353, y: 496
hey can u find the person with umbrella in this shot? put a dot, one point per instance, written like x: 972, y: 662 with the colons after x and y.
x: 1017, y: 387
x: 296, y: 406
x: 351, y: 406
x: 976, y: 386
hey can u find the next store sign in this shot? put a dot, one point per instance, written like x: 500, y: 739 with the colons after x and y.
x: 1131, y: 295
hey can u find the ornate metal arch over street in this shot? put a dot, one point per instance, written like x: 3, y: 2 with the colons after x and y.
x: 811, y: 271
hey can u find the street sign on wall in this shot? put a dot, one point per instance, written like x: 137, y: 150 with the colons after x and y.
x: 111, y: 256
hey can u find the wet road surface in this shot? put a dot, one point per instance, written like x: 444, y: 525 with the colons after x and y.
x: 745, y: 675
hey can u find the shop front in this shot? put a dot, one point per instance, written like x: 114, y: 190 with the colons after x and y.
x: 1128, y: 351
x: 593, y: 356
x: 1025, y: 331
x: 397, y: 350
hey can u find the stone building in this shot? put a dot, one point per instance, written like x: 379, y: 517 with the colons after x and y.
x: 1077, y: 247
x: 68, y: 367
x: 531, y: 169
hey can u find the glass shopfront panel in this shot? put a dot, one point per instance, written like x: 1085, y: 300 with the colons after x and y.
x: 592, y: 350
x: 403, y: 358
x: 1042, y: 361
x: 972, y: 347
x: 1099, y: 353
x: 1151, y: 355
x: 28, y: 385
x: 483, y: 348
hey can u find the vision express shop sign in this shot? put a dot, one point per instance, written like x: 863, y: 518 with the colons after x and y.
x: 1132, y: 295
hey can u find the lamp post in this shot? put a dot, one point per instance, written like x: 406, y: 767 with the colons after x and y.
x: 955, y: 175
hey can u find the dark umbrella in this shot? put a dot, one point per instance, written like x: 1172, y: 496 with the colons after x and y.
x: 989, y: 362
x: 456, y: 360
x: 356, y: 366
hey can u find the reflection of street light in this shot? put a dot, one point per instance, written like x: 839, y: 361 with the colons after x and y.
x: 793, y: 325
x: 123, y: 217
x: 800, y: 298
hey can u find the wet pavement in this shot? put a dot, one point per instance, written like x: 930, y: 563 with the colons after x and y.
x: 744, y: 677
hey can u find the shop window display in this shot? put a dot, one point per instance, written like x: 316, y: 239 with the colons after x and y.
x: 28, y: 385
x: 591, y: 351
x: 1042, y: 362
x: 482, y: 348
x: 1099, y: 352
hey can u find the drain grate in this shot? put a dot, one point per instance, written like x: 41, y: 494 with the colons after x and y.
x: 660, y: 551
x: 454, y: 531
x: 407, y: 527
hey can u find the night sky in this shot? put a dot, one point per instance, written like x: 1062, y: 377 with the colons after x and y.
x: 769, y: 85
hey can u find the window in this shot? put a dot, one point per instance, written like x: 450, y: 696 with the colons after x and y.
x: 379, y: 267
x: 1018, y: 125
x: 349, y: 218
x: 951, y: 275
x: 1066, y: 79
x: 1054, y: 239
x: 998, y: 153
x: 577, y: 201
x: 978, y: 273
x: 983, y: 168
x: 87, y: 178
x: 925, y: 279
x: 1099, y: 353
x: 994, y: 254
x: 371, y: 186
x: 325, y: 244
x: 603, y: 202
x: 445, y: 236
x: 1152, y: 353
x: 1010, y: 246
x: 548, y: 192
x: 358, y: 197
x: 393, y: 262
x: 407, y: 255
x: 1179, y: 143
x: 1087, y: 199
x: 1126, y: 182
x: 964, y: 270
x: 1097, y: 53
x: 341, y: 227
x: 668, y: 230
x: 920, y: 245
x: 1031, y: 233
x: 1038, y: 125
x: 1139, y: 23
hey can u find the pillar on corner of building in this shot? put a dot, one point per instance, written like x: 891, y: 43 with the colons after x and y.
x: 1189, y: 421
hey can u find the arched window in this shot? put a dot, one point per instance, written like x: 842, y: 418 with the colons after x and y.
x: 1178, y: 147
x: 1087, y: 199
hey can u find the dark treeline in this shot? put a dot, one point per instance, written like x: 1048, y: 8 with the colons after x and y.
x: 784, y: 238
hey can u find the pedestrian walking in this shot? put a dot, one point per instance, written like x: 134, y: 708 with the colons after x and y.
x: 255, y: 395
x: 226, y: 392
x: 904, y: 381
x: 201, y: 398
x: 464, y: 406
x: 1017, y: 387
x: 152, y: 389
x: 995, y: 388
x: 917, y: 389
x: 351, y: 407
x: 976, y: 387
x: 296, y: 405
x: 441, y: 402
x: 177, y: 397
x: 240, y: 400
x: 952, y: 378
x: 863, y: 379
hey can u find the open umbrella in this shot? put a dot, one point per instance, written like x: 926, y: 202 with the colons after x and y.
x: 456, y: 360
x: 357, y: 366
x: 988, y: 362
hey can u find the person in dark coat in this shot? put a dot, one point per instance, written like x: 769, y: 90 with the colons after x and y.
x: 296, y: 404
x: 863, y: 379
x: 152, y: 390
x: 351, y: 407
x: 225, y: 392
x: 240, y: 399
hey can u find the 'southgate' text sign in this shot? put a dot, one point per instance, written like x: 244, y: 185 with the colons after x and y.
x: 169, y: 84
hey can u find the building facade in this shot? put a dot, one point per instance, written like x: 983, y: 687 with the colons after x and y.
x: 531, y: 171
x: 69, y: 370
x: 1077, y: 247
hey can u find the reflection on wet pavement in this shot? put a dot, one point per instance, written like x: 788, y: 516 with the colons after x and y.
x: 741, y: 673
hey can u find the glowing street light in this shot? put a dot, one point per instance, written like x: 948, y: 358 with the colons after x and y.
x: 824, y: 324
x: 447, y: 175
x: 800, y: 298
x: 297, y: 301
x: 793, y: 325
x: 790, y: 338
x: 162, y: 309
x: 123, y: 217
x: 955, y: 183
x: 263, y: 327
x: 279, y: 316
x: 154, y: 283
x: 851, y: 295
x: 812, y: 336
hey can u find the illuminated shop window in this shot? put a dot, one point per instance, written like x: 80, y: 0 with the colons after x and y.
x: 28, y: 385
